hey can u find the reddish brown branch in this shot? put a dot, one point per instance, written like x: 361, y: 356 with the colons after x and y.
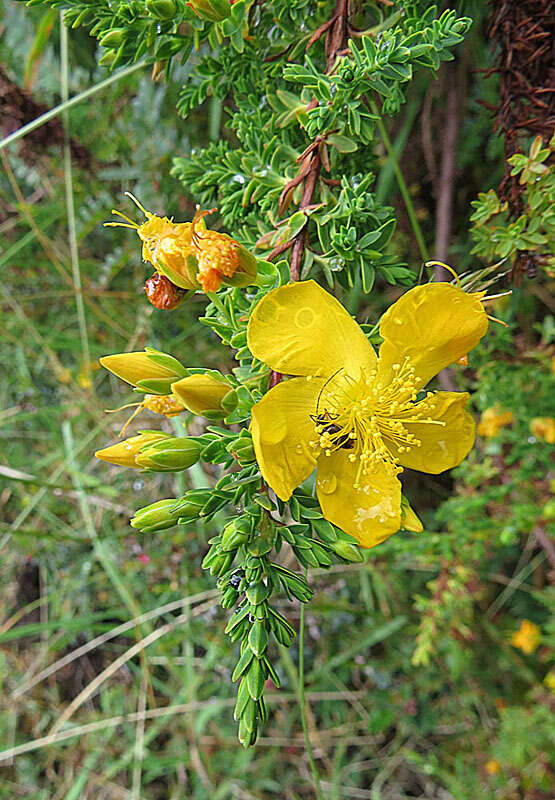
x: 523, y: 31
x: 336, y: 30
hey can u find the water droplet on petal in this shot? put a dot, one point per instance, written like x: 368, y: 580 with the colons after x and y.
x: 328, y: 485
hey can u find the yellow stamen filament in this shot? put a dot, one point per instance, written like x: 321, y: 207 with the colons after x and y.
x: 369, y: 420
x: 497, y: 296
x: 196, y: 236
x: 447, y: 267
x: 500, y: 321
x: 165, y: 404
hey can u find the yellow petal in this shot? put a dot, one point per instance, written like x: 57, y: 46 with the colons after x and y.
x: 434, y: 325
x: 442, y: 446
x: 372, y: 512
x: 135, y: 367
x: 300, y: 329
x: 124, y: 453
x: 200, y: 393
x: 281, y: 431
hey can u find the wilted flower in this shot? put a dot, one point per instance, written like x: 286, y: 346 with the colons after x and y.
x: 358, y: 417
x: 188, y: 254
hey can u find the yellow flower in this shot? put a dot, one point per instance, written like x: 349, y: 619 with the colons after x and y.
x: 543, y: 428
x: 527, y: 638
x: 124, y: 453
x: 492, y: 420
x: 356, y: 416
x: 549, y: 680
x: 493, y: 767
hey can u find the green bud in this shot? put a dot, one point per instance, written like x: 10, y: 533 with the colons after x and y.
x: 232, y: 538
x: 107, y: 59
x: 173, y: 456
x: 187, y: 512
x: 156, y: 517
x: 258, y: 593
x: 258, y: 638
x: 113, y: 38
x: 161, y: 9
x: 348, y: 551
x: 213, y: 10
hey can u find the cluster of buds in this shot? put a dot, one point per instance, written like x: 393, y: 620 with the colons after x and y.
x: 188, y: 257
x: 169, y: 389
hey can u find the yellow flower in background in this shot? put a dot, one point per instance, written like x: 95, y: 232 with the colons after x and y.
x: 549, y: 680
x: 527, y: 638
x: 356, y: 416
x: 543, y: 428
x: 493, y: 767
x: 492, y: 420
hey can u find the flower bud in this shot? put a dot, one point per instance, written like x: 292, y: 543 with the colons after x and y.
x: 149, y: 370
x: 204, y: 394
x: 161, y: 9
x: 107, y: 59
x: 156, y: 517
x: 113, y: 38
x: 173, y: 455
x: 347, y: 550
x: 125, y: 453
x: 409, y: 520
x: 232, y: 537
x: 213, y: 10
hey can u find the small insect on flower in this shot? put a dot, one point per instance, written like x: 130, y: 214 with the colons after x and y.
x: 326, y: 427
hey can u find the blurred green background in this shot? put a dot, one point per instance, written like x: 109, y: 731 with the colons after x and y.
x: 416, y: 684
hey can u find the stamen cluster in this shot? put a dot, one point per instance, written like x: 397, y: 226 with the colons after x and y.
x: 372, y: 417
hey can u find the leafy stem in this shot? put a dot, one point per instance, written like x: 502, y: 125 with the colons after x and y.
x: 302, y: 704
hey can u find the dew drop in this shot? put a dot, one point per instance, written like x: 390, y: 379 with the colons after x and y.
x: 328, y: 485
